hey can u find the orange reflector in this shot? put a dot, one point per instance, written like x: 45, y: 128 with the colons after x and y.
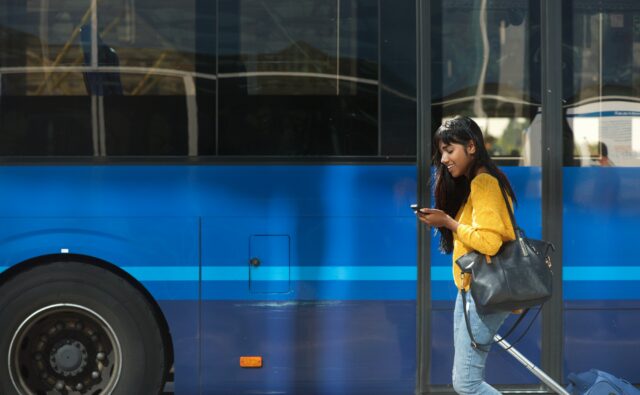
x: 250, y: 362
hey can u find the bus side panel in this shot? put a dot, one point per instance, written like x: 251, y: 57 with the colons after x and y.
x: 344, y: 321
x: 601, y: 269
x: 331, y: 306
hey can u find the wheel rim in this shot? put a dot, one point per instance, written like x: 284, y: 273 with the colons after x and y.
x: 65, y: 349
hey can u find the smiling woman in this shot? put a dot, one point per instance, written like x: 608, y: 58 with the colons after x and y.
x: 470, y: 215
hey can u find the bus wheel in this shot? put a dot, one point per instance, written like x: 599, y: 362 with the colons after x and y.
x: 73, y: 328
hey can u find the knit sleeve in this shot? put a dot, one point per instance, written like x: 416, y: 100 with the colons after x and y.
x: 485, y: 234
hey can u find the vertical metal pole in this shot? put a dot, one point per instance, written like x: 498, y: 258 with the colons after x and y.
x: 552, y: 138
x: 423, y: 156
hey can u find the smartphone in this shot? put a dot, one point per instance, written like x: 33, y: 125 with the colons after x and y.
x: 416, y: 209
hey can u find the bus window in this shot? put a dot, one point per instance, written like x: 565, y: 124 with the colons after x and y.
x: 298, y: 78
x: 79, y: 82
x: 162, y: 48
x: 602, y: 84
x: 199, y: 78
x: 42, y: 112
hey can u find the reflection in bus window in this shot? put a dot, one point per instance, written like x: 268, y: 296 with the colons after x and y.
x: 199, y: 78
x: 486, y: 65
x: 78, y: 81
x: 602, y: 83
x: 298, y: 77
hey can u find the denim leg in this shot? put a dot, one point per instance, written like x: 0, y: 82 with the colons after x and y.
x: 469, y: 363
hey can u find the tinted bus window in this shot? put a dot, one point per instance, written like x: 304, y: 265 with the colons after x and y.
x: 200, y: 78
x: 43, y: 112
x: 397, y: 78
x: 160, y: 47
x: 311, y: 77
x: 602, y: 83
x: 125, y: 79
x: 298, y: 77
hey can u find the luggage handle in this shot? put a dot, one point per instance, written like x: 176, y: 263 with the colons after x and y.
x: 548, y: 381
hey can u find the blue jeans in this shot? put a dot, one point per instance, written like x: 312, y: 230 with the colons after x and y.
x: 469, y: 362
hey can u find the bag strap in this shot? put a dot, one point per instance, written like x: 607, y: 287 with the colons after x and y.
x: 510, y: 210
x: 517, y: 232
x: 477, y: 345
x: 516, y: 229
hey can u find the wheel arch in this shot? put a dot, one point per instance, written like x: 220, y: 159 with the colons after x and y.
x: 161, y: 320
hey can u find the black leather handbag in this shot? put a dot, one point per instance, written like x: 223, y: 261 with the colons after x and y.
x: 518, y: 277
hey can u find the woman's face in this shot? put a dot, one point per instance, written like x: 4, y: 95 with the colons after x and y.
x: 457, y: 157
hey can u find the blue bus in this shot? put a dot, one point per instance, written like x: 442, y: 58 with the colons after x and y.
x: 212, y: 196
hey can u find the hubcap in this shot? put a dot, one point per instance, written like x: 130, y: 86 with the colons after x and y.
x: 65, y: 349
x: 69, y: 358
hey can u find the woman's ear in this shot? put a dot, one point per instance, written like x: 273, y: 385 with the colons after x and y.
x: 471, y: 147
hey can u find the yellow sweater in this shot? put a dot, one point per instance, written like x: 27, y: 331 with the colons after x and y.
x: 484, y: 223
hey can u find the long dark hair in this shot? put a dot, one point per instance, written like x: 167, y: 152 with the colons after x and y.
x: 451, y: 193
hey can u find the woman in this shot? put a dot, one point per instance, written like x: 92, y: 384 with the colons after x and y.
x: 470, y: 215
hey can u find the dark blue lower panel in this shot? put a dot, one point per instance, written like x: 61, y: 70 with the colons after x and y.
x: 608, y: 339
x: 182, y: 317
x: 314, y: 291
x: 502, y: 368
x: 315, y: 347
x: 368, y: 347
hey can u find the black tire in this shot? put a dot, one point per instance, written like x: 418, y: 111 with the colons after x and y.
x: 57, y: 318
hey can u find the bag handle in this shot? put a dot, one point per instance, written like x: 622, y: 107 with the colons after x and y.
x: 512, y: 216
x: 477, y: 345
x: 518, y: 233
x: 516, y: 229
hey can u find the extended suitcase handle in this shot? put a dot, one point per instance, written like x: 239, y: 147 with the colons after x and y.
x: 548, y: 381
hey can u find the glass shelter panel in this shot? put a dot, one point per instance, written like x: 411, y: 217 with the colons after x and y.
x: 601, y: 184
x: 486, y: 65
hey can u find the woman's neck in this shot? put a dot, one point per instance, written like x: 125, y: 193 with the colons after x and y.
x: 476, y: 171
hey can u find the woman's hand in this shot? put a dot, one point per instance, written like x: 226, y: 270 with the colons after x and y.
x: 437, y: 218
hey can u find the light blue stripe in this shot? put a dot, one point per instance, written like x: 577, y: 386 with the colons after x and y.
x: 163, y: 273
x: 310, y: 273
x: 225, y: 273
x: 353, y: 273
x: 441, y: 273
x: 601, y: 273
x: 348, y: 273
x: 275, y: 273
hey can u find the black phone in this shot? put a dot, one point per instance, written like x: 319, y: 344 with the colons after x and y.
x: 416, y: 209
